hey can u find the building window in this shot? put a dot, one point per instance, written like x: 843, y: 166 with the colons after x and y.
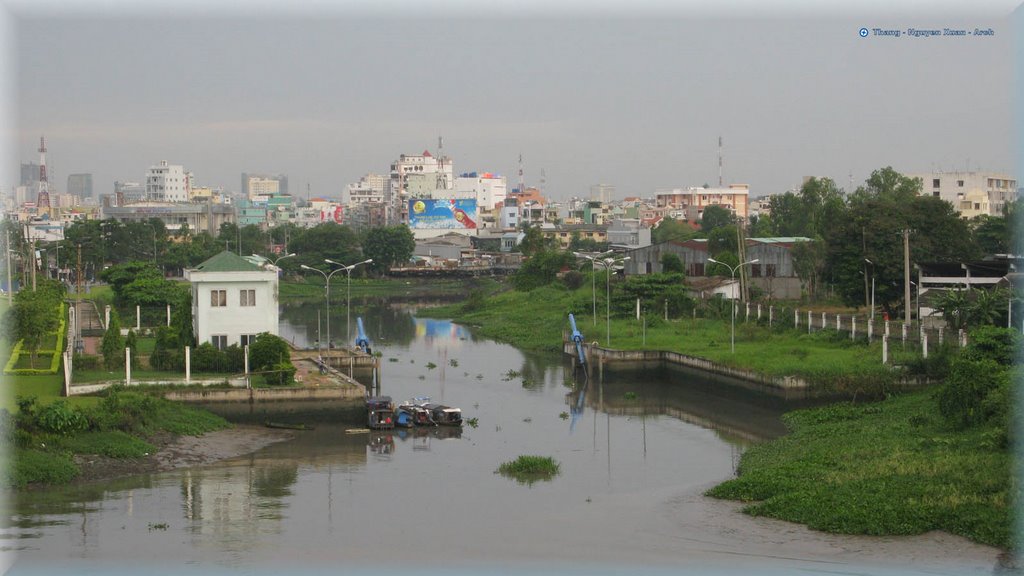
x: 755, y: 270
x: 219, y: 341
x: 936, y: 193
x: 247, y: 297
x: 218, y: 298
x: 935, y: 183
x: 960, y: 183
x: 248, y: 340
x: 769, y: 270
x: 697, y: 269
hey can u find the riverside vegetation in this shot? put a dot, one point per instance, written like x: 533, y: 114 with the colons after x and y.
x: 900, y: 463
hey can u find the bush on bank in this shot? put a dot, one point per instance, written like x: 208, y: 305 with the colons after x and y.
x: 45, y: 437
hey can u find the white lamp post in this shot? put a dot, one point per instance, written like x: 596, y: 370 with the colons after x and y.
x: 607, y: 263
x: 279, y: 258
x: 327, y: 295
x: 593, y: 273
x: 348, y: 294
x: 732, y: 270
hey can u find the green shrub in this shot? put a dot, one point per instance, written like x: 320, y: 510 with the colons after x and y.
x: 280, y: 374
x: 84, y: 362
x: 60, y: 418
x: 962, y: 398
x: 207, y: 358
x: 572, y: 279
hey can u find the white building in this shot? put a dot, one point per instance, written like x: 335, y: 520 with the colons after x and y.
x: 233, y: 300
x: 168, y: 183
x: 416, y: 176
x: 488, y: 189
x: 370, y: 188
x: 970, y: 193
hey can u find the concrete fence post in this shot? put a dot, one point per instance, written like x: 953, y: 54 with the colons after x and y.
x: 887, y: 328
x: 853, y: 328
x: 248, y: 384
x: 903, y: 333
x: 168, y: 314
x: 824, y: 321
x: 871, y: 329
x: 940, y: 335
x: 924, y: 345
x: 188, y: 364
x: 128, y: 366
x: 771, y: 311
x: 839, y: 323
x: 67, y: 374
x: 885, y: 349
x: 748, y: 311
x: 810, y: 322
x: 796, y: 318
x: 758, y: 311
x: 106, y: 316
x: 138, y: 318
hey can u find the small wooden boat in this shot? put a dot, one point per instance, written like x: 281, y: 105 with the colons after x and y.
x: 380, y: 412
x: 288, y: 426
x: 412, y: 413
x: 444, y: 415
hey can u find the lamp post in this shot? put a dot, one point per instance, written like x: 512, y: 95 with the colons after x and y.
x: 348, y: 294
x: 327, y: 295
x: 607, y: 263
x: 279, y: 258
x: 732, y: 270
x: 593, y: 273
x: 872, y: 288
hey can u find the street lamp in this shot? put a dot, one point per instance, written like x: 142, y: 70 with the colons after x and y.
x: 348, y: 294
x: 327, y: 294
x: 279, y: 258
x: 872, y: 288
x: 593, y: 290
x: 607, y: 263
x: 732, y: 270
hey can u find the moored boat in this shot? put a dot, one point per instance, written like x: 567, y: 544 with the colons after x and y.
x: 444, y: 415
x: 412, y: 413
x: 380, y: 412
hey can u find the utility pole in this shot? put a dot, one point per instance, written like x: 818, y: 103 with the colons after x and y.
x: 906, y: 274
x: 32, y: 255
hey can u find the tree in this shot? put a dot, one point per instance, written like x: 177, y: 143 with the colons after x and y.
x: 389, y: 246
x: 715, y: 217
x: 541, y: 269
x: 112, y: 346
x: 670, y: 229
x: 534, y: 242
x: 270, y: 354
x: 324, y: 241
x: 33, y: 318
x: 872, y: 229
x: 670, y: 263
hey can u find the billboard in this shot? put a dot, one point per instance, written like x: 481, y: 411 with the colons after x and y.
x: 442, y: 214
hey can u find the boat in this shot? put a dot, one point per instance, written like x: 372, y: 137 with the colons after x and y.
x: 412, y: 413
x: 380, y: 412
x: 444, y: 415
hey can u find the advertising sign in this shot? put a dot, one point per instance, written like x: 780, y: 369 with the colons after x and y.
x: 333, y: 213
x: 442, y: 214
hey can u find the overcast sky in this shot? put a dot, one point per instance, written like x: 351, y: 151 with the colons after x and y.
x: 636, y: 99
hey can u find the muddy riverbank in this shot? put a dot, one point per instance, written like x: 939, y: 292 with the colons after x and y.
x: 173, y: 451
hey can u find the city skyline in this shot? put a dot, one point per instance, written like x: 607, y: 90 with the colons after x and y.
x: 636, y: 103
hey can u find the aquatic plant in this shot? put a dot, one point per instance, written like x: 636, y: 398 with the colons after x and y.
x: 529, y: 469
x: 473, y: 422
x: 431, y: 365
x: 564, y: 415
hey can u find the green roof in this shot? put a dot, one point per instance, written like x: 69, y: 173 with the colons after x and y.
x: 227, y: 262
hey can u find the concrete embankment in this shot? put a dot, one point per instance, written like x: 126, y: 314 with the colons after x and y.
x: 292, y: 405
x: 784, y: 387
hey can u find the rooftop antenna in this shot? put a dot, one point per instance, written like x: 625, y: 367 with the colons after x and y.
x: 307, y: 193
x: 543, y: 180
x: 719, y: 161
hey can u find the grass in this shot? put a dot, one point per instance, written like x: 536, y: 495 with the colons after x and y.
x: 85, y: 376
x: 529, y: 469
x: 112, y: 443
x: 537, y: 319
x: 886, y: 468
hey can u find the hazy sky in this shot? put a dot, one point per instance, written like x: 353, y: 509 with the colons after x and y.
x: 636, y: 99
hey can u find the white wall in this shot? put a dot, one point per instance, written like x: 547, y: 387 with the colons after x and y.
x: 233, y: 320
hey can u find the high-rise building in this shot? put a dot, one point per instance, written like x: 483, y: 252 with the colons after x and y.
x: 80, y: 185
x: 415, y: 175
x: 370, y: 188
x: 29, y: 174
x: 263, y: 184
x: 168, y: 183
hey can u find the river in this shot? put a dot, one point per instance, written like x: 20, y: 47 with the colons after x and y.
x: 635, y: 451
